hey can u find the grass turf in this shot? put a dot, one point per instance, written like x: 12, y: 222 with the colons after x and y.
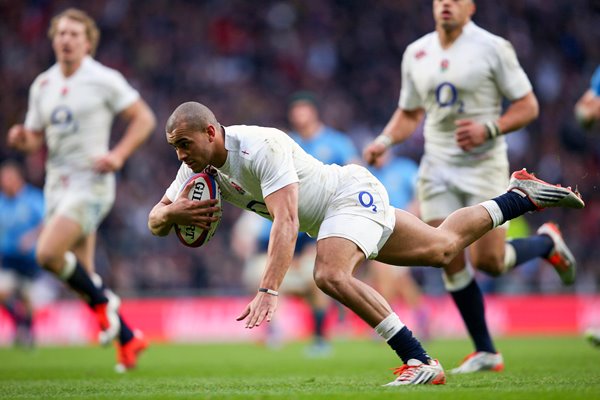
x: 537, y: 368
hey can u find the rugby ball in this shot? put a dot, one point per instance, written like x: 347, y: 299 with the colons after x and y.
x: 205, y: 188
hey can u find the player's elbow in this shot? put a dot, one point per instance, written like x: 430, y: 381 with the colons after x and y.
x: 148, y: 119
x: 157, y: 222
x: 158, y: 230
x: 533, y: 107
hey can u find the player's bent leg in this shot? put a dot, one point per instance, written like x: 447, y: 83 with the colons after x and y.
x: 336, y: 260
x: 59, y: 235
x: 413, y: 242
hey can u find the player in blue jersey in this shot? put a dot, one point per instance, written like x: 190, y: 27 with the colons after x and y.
x: 323, y: 142
x: 587, y: 112
x: 587, y: 108
x: 329, y: 146
x: 21, y: 215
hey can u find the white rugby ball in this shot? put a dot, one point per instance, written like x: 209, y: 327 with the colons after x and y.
x: 205, y: 188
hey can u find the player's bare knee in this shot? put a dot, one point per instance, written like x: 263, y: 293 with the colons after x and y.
x: 49, y: 260
x: 441, y: 255
x: 491, y: 264
x: 328, y: 279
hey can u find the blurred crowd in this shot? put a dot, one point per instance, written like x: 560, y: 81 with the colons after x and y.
x: 244, y: 59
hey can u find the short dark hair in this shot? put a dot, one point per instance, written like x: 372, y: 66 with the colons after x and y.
x: 304, y: 96
x: 13, y: 164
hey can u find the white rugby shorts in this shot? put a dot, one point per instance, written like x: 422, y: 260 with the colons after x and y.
x: 443, y: 188
x: 359, y: 211
x: 85, y: 198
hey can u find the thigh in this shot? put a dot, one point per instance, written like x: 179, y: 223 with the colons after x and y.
x: 338, y: 255
x: 59, y: 235
x: 413, y: 242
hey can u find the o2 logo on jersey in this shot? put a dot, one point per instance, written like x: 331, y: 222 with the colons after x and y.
x: 62, y: 119
x: 366, y: 200
x: 446, y: 95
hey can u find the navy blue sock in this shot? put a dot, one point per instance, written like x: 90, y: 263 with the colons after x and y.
x: 80, y: 281
x: 407, y: 346
x: 125, y: 334
x: 319, y: 317
x: 532, y: 247
x: 11, y: 308
x: 513, y: 205
x: 469, y: 301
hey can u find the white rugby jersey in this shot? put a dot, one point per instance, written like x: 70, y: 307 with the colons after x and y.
x: 76, y: 113
x: 263, y: 160
x: 465, y: 81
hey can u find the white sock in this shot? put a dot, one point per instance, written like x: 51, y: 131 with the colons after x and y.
x: 495, y: 213
x: 460, y: 280
x: 510, y: 257
x: 96, y: 279
x: 389, y: 326
x: 68, y: 267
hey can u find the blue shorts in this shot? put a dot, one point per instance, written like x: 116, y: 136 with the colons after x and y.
x: 23, y: 266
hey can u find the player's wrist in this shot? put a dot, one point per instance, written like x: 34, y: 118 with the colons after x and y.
x: 385, y: 140
x: 492, y: 129
x: 268, y: 291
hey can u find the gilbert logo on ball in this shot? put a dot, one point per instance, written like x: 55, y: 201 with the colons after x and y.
x: 205, y: 188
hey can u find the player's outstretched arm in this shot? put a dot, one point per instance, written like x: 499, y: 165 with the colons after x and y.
x: 283, y: 206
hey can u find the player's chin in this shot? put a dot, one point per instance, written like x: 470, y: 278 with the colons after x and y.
x: 193, y: 167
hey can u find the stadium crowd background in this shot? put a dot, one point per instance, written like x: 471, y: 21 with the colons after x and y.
x: 244, y: 59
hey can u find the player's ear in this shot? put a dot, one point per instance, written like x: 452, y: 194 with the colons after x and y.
x: 472, y: 8
x: 212, y: 132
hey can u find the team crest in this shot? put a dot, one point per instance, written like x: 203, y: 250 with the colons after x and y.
x: 444, y: 65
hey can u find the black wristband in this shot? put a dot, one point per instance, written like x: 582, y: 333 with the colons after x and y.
x: 269, y: 291
x: 492, y: 130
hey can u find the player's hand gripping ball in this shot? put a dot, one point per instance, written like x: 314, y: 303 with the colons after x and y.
x: 205, y: 188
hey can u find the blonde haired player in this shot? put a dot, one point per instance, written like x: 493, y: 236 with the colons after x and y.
x: 71, y: 108
x: 457, y: 77
x: 346, y: 208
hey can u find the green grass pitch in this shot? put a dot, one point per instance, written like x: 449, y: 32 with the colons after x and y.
x: 536, y: 368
